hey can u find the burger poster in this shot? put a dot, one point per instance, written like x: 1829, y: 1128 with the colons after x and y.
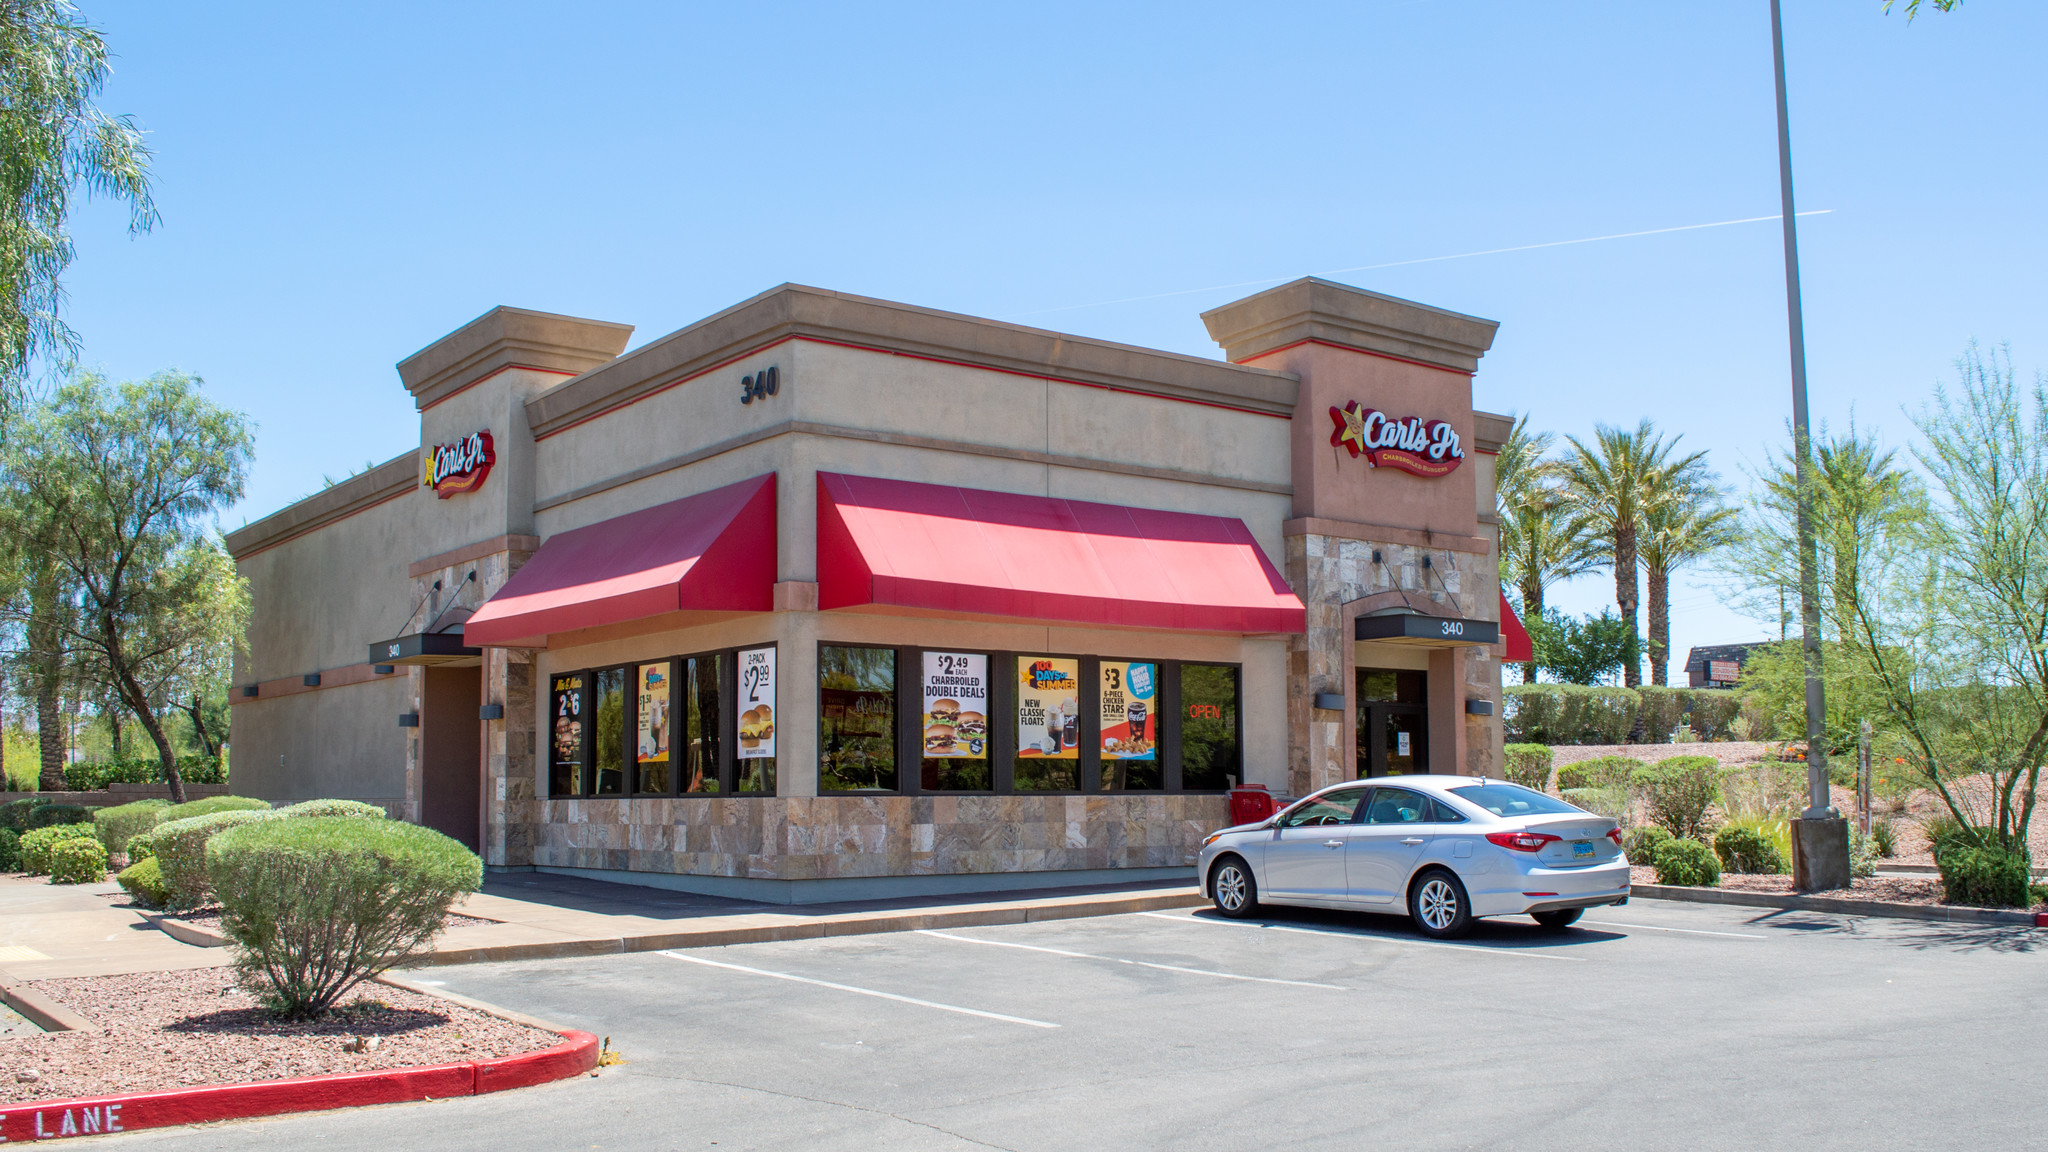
x: 757, y: 703
x: 1130, y: 712
x: 955, y: 706
x: 652, y: 714
x: 566, y: 739
x: 1048, y: 708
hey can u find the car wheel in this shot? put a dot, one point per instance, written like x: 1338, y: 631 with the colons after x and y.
x: 1560, y: 919
x: 1232, y: 888
x: 1438, y: 905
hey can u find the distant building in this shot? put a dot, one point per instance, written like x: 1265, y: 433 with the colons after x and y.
x: 1716, y: 665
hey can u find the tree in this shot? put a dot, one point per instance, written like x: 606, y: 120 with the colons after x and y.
x: 1913, y: 7
x: 122, y: 476
x: 1682, y: 523
x: 1612, y: 481
x: 53, y: 140
x: 1584, y: 651
x: 1544, y: 538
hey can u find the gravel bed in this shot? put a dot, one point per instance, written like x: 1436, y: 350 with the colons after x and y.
x: 162, y: 1031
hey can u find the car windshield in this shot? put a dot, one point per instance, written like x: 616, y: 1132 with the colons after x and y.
x: 1513, y: 800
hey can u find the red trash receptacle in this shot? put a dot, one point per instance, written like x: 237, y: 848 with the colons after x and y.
x: 1250, y: 803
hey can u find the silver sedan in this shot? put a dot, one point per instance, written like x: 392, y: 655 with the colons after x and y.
x: 1446, y: 849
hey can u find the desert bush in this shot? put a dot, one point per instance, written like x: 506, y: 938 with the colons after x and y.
x: 180, y: 849
x: 355, y: 808
x: 1677, y: 792
x: 144, y: 880
x: 1527, y: 765
x: 1609, y: 802
x: 48, y: 815
x: 78, y: 861
x: 1985, y: 877
x: 1599, y: 772
x: 315, y: 906
x: 37, y: 843
x: 1862, y: 852
x: 1640, y: 844
x: 122, y: 822
x: 1687, y: 862
x: 1567, y: 714
x: 1884, y: 838
x: 211, y: 805
x: 140, y: 846
x: 1750, y: 847
x: 1769, y: 790
x: 10, y: 850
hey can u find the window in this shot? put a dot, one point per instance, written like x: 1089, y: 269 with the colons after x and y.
x: 1390, y: 686
x: 1209, y: 758
x: 1127, y: 700
x: 956, y: 754
x: 610, y: 711
x: 1445, y: 814
x: 856, y: 719
x: 653, y: 765
x: 1334, y: 808
x: 700, y: 737
x: 754, y: 685
x: 1048, y: 723
x: 565, y: 737
x: 1398, y: 806
x: 1515, y: 800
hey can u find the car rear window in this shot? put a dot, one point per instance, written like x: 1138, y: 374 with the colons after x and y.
x: 1513, y: 800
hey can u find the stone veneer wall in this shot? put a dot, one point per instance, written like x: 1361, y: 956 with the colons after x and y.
x: 823, y: 837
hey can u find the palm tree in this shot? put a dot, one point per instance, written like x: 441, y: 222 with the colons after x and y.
x: 1613, y: 481
x: 1544, y: 538
x: 1679, y: 527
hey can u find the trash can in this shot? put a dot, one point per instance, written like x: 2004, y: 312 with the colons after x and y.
x: 1250, y: 803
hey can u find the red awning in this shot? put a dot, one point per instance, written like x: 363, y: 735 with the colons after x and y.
x: 1521, y: 649
x: 962, y: 550
x: 711, y: 552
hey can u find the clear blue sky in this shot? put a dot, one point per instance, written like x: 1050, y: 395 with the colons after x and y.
x: 341, y: 185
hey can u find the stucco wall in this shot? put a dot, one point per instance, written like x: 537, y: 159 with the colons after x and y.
x: 318, y: 600
x: 336, y: 743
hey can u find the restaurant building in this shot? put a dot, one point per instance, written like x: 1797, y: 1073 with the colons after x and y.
x: 830, y: 597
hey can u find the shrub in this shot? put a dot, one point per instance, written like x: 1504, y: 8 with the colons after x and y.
x: 1640, y: 844
x: 1769, y: 790
x: 123, y: 822
x: 1749, y: 848
x: 355, y: 808
x: 144, y: 880
x: 1567, y: 714
x: 210, y: 805
x: 48, y: 815
x: 1677, y: 791
x: 1985, y: 877
x: 1862, y: 852
x: 1710, y: 711
x: 180, y: 848
x: 141, y: 846
x: 78, y: 861
x: 14, y: 814
x: 1599, y: 772
x: 1884, y: 838
x: 1609, y: 802
x: 10, y: 850
x: 1528, y: 765
x: 1687, y: 862
x: 1946, y: 832
x: 37, y: 843
x: 92, y: 774
x: 316, y: 906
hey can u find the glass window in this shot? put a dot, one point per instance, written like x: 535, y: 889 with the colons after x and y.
x: 701, y: 722
x: 1127, y: 699
x: 1445, y: 814
x: 1334, y: 808
x: 653, y: 766
x: 1399, y: 806
x: 1048, y: 725
x: 754, y: 678
x: 856, y: 719
x: 611, y: 732
x: 1514, y: 800
x: 956, y: 755
x: 1209, y: 758
x: 565, y: 740
x: 1390, y: 686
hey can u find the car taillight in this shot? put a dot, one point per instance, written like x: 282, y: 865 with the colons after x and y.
x: 1521, y: 841
x: 1614, y: 834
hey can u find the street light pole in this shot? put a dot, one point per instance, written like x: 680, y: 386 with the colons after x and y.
x: 1811, y: 870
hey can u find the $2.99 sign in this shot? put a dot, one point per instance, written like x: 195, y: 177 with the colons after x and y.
x: 757, y: 703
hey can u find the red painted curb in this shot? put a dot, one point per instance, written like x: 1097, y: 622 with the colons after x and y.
x: 50, y: 1119
x: 2041, y: 919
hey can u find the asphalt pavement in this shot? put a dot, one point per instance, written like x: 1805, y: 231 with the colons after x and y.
x: 1655, y: 1025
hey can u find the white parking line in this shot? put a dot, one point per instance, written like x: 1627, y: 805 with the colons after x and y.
x: 861, y: 991
x: 1689, y: 931
x: 1137, y: 963
x: 1368, y: 936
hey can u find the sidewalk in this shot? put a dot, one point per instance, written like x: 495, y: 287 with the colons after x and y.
x: 51, y: 931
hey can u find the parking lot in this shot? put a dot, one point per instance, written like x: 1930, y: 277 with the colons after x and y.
x: 1654, y: 1025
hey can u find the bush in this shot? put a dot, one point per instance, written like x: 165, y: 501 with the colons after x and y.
x: 1769, y: 790
x: 48, y: 815
x: 14, y: 814
x: 1862, y: 852
x: 1984, y: 877
x: 180, y: 848
x: 1946, y: 832
x: 93, y: 774
x: 123, y: 822
x: 144, y: 880
x: 141, y: 846
x: 1749, y: 848
x: 315, y: 906
x: 1599, y: 772
x: 1567, y: 714
x: 1710, y: 711
x: 1687, y: 862
x: 1640, y: 844
x: 355, y: 808
x: 37, y: 843
x: 10, y: 850
x: 78, y: 861
x: 210, y: 805
x: 1527, y: 765
x: 1884, y: 838
x: 1677, y: 792
x: 1609, y: 802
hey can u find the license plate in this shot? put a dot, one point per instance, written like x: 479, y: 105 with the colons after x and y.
x: 1581, y: 848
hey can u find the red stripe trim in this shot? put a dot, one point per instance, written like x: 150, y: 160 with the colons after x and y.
x: 1360, y: 351
x: 493, y: 373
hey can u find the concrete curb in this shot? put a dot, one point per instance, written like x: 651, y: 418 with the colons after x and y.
x: 42, y: 1011
x: 184, y: 933
x: 1833, y: 904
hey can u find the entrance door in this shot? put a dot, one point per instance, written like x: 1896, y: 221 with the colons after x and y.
x: 451, y: 753
x: 1393, y: 722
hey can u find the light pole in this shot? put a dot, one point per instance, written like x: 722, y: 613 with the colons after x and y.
x: 1820, y: 837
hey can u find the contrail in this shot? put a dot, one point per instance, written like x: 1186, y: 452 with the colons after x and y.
x: 1428, y: 260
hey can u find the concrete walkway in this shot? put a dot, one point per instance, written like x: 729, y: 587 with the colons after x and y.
x: 50, y: 931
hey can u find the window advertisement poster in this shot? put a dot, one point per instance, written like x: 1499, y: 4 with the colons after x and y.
x: 955, y: 706
x: 565, y: 741
x: 1048, y: 708
x: 1130, y: 710
x: 757, y: 703
x: 651, y: 714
